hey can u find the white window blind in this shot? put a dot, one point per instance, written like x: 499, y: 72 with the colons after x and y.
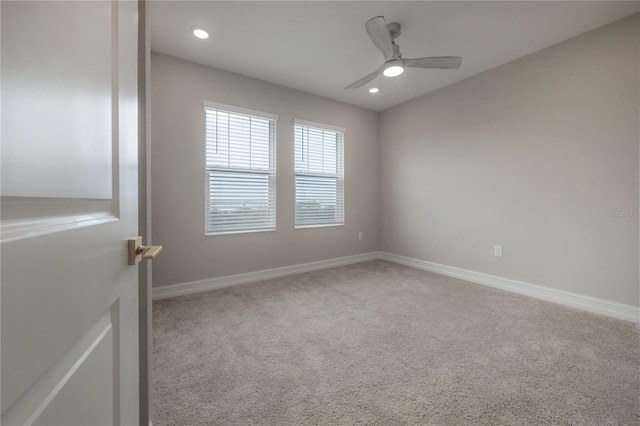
x: 319, y: 170
x: 240, y: 171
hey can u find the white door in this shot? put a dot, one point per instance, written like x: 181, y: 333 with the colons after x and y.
x: 69, y: 203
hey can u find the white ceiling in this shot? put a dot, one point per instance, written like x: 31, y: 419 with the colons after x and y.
x: 320, y: 47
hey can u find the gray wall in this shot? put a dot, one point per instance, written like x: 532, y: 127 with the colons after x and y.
x: 178, y: 89
x: 529, y: 155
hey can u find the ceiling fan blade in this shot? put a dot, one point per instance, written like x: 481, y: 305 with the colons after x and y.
x: 379, y: 35
x: 364, y: 80
x: 443, y: 62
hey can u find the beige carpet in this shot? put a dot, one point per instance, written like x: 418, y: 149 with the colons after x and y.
x: 378, y: 343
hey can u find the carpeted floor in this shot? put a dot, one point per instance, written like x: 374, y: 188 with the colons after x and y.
x: 379, y: 343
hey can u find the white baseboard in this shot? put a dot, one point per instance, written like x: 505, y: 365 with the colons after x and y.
x: 586, y: 303
x: 182, y: 289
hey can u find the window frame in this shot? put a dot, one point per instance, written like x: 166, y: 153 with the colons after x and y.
x: 340, y: 175
x: 271, y: 173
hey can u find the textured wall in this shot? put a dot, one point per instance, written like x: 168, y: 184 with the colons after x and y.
x: 531, y: 156
x: 178, y: 89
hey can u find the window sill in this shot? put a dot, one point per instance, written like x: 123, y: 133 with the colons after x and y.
x: 247, y: 231
x: 327, y: 225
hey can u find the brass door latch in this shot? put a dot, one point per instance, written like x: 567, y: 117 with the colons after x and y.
x: 137, y: 251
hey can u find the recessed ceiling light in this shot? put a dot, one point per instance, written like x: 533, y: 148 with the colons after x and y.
x: 200, y: 33
x: 374, y: 90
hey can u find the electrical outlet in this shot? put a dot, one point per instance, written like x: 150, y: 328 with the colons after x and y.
x: 359, y: 235
x: 497, y: 251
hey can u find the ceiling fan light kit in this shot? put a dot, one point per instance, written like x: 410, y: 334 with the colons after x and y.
x: 383, y: 35
x: 393, y: 68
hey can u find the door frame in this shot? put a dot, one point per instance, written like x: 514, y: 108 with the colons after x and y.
x: 144, y: 216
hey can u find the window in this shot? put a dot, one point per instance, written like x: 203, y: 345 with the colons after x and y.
x: 240, y: 170
x: 319, y: 170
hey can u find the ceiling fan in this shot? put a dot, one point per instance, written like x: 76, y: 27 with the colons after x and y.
x: 383, y: 36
